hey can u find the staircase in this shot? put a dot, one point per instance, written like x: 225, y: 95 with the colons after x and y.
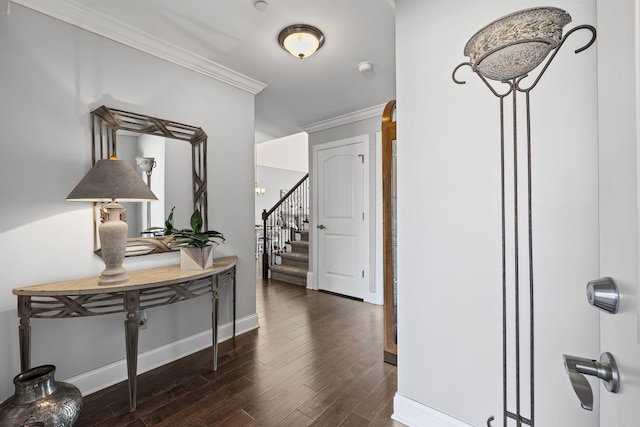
x: 285, y: 236
x: 295, y: 264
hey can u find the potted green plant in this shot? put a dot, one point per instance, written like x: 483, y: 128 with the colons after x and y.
x: 196, y: 245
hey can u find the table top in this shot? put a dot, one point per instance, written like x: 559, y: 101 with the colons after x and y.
x: 139, y: 279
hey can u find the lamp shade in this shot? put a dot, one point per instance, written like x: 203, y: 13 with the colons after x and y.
x: 111, y: 179
x: 146, y: 163
x: 301, y: 40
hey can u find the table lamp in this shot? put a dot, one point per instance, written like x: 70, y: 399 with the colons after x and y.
x: 112, y: 180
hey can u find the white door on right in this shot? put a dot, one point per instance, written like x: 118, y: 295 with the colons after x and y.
x: 618, y: 121
x: 341, y: 220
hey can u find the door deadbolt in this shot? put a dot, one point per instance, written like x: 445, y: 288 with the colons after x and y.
x: 603, y: 294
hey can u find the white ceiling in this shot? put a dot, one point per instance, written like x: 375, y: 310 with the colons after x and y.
x: 232, y: 41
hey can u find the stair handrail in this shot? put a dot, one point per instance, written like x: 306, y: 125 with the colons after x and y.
x: 266, y: 248
x: 267, y: 213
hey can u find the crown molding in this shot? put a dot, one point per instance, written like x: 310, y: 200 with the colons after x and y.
x: 128, y: 35
x: 367, y: 113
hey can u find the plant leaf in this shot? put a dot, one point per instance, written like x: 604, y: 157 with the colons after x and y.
x: 200, y: 240
x: 168, y: 224
x: 213, y: 234
x: 196, y: 221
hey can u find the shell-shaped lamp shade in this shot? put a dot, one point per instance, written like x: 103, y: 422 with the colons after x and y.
x: 517, y: 43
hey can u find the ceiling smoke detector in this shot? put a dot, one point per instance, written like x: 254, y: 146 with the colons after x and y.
x: 261, y: 5
x: 365, y: 67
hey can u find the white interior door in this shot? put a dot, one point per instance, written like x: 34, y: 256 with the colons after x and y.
x: 618, y: 120
x: 340, y: 222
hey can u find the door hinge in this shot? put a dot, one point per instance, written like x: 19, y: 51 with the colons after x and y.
x: 361, y: 157
x: 363, y: 274
x: 363, y: 216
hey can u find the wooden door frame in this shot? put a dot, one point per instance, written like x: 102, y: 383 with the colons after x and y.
x: 388, y: 136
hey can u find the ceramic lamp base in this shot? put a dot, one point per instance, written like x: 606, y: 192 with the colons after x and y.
x: 113, y: 241
x: 113, y: 276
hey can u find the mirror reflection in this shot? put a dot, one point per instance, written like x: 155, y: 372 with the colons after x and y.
x: 169, y: 176
x: 146, y: 165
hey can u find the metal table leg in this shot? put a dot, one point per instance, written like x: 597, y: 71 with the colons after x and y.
x: 132, y: 307
x: 214, y: 320
x: 24, y: 331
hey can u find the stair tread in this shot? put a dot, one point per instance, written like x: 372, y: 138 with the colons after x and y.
x: 285, y: 269
x: 298, y: 256
x: 300, y: 246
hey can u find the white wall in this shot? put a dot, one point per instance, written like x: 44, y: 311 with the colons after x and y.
x: 289, y: 153
x: 52, y: 76
x: 449, y: 217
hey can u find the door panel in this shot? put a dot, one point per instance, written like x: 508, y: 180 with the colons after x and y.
x: 618, y: 109
x: 340, y: 220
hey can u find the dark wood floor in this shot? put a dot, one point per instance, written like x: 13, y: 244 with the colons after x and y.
x: 316, y: 360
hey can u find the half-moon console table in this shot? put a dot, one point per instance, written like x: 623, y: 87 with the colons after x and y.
x: 145, y: 288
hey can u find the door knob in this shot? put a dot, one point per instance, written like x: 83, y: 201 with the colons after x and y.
x: 321, y: 227
x: 606, y: 369
x: 603, y: 293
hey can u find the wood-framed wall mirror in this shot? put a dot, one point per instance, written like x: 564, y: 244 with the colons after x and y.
x: 389, y: 232
x: 156, y: 148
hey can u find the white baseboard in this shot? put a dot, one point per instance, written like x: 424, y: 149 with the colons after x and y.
x: 414, y: 414
x: 310, y: 280
x: 105, y: 376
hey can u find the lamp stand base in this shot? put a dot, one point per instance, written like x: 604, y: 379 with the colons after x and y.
x: 113, y: 277
x: 113, y: 238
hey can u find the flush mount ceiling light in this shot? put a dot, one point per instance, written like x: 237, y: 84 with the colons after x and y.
x: 301, y: 40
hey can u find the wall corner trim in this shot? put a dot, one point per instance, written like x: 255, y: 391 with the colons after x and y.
x: 412, y: 413
x: 345, y: 119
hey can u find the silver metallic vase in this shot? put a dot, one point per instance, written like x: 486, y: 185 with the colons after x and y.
x: 39, y: 400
